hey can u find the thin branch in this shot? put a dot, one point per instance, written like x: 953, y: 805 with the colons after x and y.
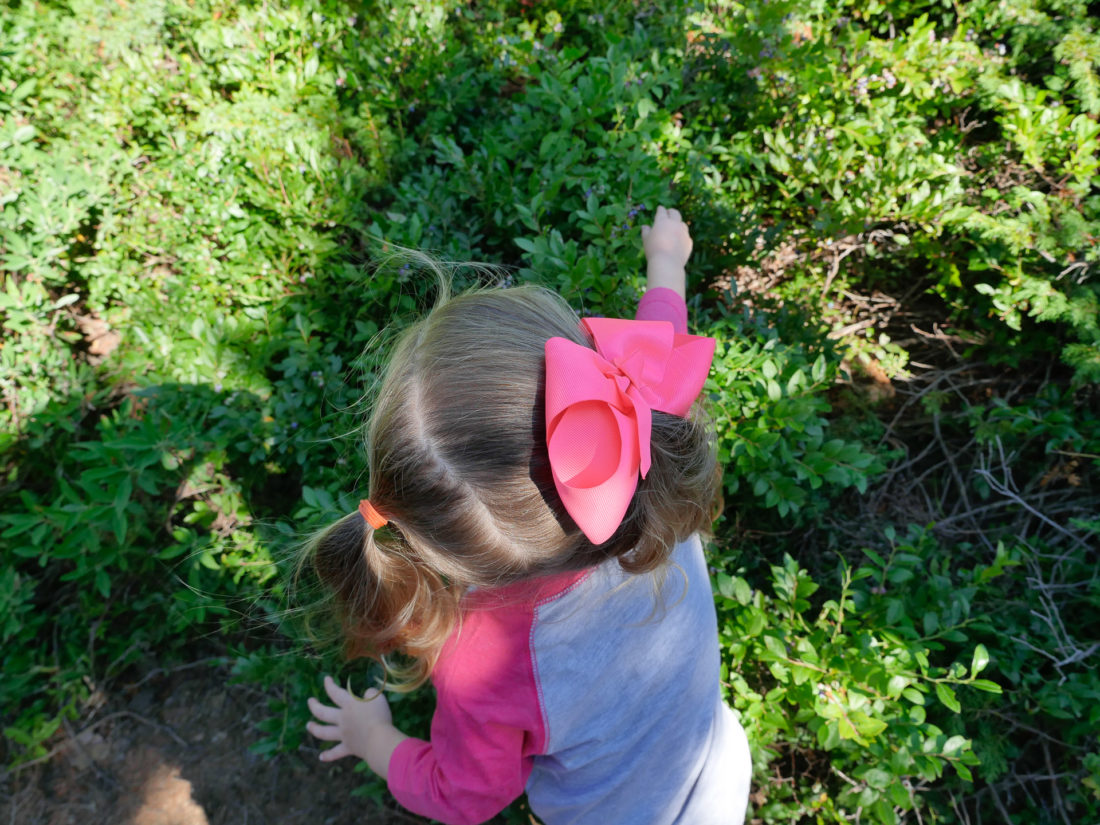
x: 1054, y: 785
x: 1016, y: 724
x: 160, y: 671
x: 1001, y: 489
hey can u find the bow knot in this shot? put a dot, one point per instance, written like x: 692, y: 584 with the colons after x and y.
x: 599, y: 406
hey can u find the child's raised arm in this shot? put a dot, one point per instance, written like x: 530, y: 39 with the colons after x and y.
x: 667, y: 246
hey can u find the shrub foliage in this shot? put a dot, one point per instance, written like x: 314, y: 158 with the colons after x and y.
x: 895, y: 207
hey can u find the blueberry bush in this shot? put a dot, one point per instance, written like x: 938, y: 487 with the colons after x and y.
x: 895, y: 207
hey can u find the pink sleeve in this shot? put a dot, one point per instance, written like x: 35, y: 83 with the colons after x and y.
x: 663, y: 304
x: 487, y: 726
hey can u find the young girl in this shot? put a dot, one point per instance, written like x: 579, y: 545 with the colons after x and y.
x: 531, y: 541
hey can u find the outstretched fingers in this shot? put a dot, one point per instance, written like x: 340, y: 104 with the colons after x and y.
x: 667, y: 214
x: 329, y: 733
x: 323, y: 712
x: 336, y: 693
x: 338, y: 752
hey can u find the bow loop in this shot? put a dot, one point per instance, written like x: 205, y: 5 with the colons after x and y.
x: 599, y: 408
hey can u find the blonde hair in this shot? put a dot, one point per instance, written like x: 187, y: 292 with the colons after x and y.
x: 458, y: 465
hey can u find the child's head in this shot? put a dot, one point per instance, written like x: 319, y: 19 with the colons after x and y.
x: 458, y: 466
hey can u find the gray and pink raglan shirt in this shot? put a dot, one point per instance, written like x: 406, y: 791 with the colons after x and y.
x: 596, y: 692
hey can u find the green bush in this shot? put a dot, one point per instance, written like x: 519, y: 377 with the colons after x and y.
x: 844, y: 690
x: 771, y: 417
x: 198, y: 206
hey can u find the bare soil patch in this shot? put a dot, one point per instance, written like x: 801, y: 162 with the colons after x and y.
x: 176, y: 752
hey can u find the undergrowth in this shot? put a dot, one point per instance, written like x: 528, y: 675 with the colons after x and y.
x: 895, y: 212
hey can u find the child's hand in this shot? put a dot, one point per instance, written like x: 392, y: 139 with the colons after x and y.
x: 360, y: 727
x: 667, y: 246
x: 668, y: 238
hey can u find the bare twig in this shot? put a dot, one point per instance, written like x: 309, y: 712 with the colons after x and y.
x: 997, y: 801
x: 1003, y: 489
x: 834, y: 268
x: 1034, y: 731
x: 933, y: 384
x: 960, y: 811
x: 160, y: 671
x: 1058, y: 801
x: 985, y: 509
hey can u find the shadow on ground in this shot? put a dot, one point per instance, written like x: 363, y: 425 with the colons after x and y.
x: 175, y: 752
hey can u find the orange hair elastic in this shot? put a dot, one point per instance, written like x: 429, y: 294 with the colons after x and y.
x: 373, y: 517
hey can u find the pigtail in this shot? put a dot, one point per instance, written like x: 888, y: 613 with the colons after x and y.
x: 386, y: 598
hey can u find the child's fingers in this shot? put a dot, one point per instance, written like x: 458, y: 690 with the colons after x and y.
x: 667, y: 216
x: 338, y: 752
x: 336, y: 693
x: 645, y: 232
x: 323, y: 712
x: 329, y: 733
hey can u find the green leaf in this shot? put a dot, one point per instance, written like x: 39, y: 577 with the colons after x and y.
x: 309, y: 496
x: 846, y: 729
x: 955, y: 744
x: 775, y: 646
x: 22, y: 90
x: 103, y: 583
x: 122, y: 494
x: 741, y: 591
x: 868, y: 726
x: 172, y: 551
x: 877, y: 778
x: 725, y: 584
x: 817, y: 372
x: 896, y: 685
x: 895, y: 610
x: 931, y: 622
x: 986, y: 685
x: 23, y: 134
x: 757, y: 621
x: 913, y: 695
x: 875, y: 557
x: 65, y: 300
x: 980, y: 660
x: 899, y: 795
x: 118, y: 525
x: 947, y: 696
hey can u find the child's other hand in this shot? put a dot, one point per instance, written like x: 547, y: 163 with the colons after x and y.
x: 667, y: 246
x: 352, y: 724
x: 668, y: 238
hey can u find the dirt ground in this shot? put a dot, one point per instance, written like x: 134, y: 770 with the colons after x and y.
x: 176, y: 753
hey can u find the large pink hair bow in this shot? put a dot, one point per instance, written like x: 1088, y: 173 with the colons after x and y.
x: 599, y: 411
